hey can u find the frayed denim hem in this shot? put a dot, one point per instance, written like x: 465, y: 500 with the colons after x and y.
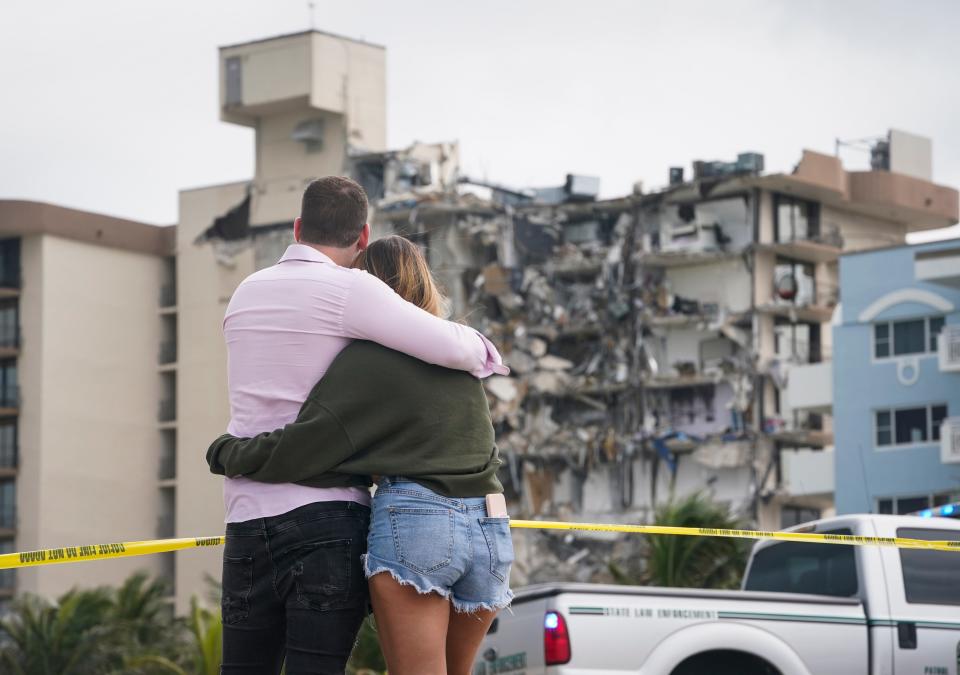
x: 464, y: 607
x: 407, y: 578
x: 422, y: 585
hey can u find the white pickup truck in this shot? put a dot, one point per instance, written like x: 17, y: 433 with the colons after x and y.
x: 805, y: 609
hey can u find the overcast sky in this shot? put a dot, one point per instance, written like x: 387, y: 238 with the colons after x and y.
x: 111, y: 105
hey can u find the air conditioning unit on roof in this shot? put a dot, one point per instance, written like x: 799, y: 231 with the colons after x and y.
x: 950, y: 441
x: 948, y: 347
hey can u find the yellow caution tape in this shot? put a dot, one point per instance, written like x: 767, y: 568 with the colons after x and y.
x: 810, y: 537
x: 69, y: 554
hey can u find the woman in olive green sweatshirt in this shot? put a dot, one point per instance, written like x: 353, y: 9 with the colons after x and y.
x: 438, y: 563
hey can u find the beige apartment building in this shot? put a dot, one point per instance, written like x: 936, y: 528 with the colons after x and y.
x: 113, y: 367
x: 80, y: 384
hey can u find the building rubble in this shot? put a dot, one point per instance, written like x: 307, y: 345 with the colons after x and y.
x: 595, y: 419
x: 650, y: 337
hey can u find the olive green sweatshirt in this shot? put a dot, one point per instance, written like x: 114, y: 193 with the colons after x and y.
x: 377, y: 412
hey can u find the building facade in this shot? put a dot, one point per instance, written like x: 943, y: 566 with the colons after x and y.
x: 81, y: 453
x: 896, y: 379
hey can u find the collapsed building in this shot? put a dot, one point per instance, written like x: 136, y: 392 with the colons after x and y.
x: 651, y: 337
x: 654, y: 339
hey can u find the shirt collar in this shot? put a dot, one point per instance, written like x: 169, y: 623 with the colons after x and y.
x: 304, y: 253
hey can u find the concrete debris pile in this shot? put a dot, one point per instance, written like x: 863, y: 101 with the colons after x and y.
x: 549, y: 285
x: 619, y: 369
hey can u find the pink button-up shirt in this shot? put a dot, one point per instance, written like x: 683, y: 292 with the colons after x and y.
x: 285, y: 325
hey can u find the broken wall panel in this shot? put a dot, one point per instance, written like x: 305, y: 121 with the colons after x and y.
x: 724, y: 284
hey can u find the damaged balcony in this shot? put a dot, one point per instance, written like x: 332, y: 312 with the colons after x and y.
x: 685, y: 228
x: 798, y: 295
x: 799, y: 234
x: 803, y: 429
x: 810, y: 387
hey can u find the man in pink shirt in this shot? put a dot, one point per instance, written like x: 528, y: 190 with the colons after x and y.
x: 293, y: 585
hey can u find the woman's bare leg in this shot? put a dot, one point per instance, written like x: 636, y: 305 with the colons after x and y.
x: 464, y: 635
x: 412, y: 627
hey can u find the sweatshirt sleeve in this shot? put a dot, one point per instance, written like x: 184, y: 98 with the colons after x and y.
x: 301, y: 450
x: 374, y: 312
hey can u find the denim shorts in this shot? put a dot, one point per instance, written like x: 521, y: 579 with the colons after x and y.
x: 440, y: 545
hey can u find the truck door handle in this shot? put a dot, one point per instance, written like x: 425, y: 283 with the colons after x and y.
x: 907, y: 634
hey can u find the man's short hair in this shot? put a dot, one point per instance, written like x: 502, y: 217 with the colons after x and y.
x: 333, y: 212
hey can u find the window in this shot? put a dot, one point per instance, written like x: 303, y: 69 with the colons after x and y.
x: 9, y: 326
x: 884, y: 428
x: 909, y: 426
x: 797, y: 567
x: 908, y: 337
x: 234, y: 81
x: 929, y: 577
x: 936, y: 326
x: 913, y: 503
x: 8, y: 505
x: 900, y: 338
x: 8, y: 443
x: 6, y: 576
x: 937, y: 414
x: 881, y: 340
x: 795, y: 219
x: 797, y: 342
x: 795, y: 515
x: 9, y: 393
x: 10, y: 263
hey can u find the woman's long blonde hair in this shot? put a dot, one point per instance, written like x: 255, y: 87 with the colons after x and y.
x: 400, y: 264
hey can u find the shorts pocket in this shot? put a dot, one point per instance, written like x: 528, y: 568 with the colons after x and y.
x: 322, y: 572
x: 496, y: 532
x: 237, y: 585
x: 423, y: 537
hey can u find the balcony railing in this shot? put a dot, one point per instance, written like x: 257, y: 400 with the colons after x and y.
x: 168, y: 295
x: 8, y: 580
x: 9, y: 338
x: 948, y: 349
x: 8, y: 518
x: 168, y: 352
x: 8, y: 457
x: 167, y: 411
x: 830, y: 236
x: 810, y: 387
x: 10, y: 396
x: 7, y: 577
x: 950, y: 441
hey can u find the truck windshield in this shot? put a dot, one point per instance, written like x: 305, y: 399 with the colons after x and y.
x: 796, y: 567
x: 930, y: 577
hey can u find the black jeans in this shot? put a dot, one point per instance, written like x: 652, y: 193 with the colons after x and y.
x: 293, y: 586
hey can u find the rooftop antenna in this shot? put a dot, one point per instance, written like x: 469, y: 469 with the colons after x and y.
x: 312, y: 6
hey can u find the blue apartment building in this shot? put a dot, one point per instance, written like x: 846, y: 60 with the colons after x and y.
x: 896, y: 379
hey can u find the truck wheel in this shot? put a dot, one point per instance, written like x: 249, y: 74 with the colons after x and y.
x: 725, y: 662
